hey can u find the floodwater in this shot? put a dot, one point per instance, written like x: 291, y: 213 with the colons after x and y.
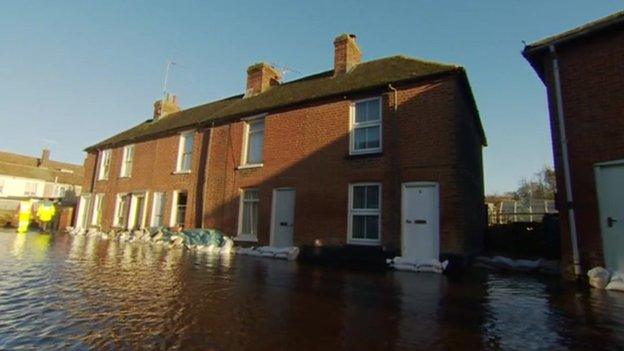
x: 61, y: 292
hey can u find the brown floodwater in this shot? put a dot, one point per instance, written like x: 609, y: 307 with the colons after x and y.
x: 64, y: 292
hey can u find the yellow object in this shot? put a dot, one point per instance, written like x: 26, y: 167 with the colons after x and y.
x: 24, y: 216
x: 45, y: 212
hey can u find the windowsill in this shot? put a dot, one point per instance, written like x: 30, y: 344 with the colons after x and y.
x: 363, y: 242
x: 248, y: 238
x: 181, y: 172
x: 255, y: 165
x: 102, y: 179
x: 354, y: 156
x: 124, y: 177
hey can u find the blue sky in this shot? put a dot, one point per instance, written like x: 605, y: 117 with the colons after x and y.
x: 75, y: 72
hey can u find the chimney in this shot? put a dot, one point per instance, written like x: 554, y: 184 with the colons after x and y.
x: 171, y: 106
x: 347, y: 54
x: 45, y: 157
x: 260, y: 78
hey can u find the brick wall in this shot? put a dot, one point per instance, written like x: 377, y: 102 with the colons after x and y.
x: 307, y: 148
x: 591, y: 74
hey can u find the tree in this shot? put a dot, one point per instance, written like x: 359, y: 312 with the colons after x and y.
x: 541, y: 186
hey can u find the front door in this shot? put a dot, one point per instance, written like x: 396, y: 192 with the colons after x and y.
x: 610, y: 186
x: 83, y: 211
x: 138, y: 210
x: 283, y: 217
x: 419, y: 221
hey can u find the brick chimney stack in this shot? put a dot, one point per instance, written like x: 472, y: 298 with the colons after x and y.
x: 260, y: 78
x: 171, y: 106
x: 347, y: 54
x: 45, y: 157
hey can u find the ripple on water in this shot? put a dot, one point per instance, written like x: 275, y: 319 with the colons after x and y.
x: 61, y: 292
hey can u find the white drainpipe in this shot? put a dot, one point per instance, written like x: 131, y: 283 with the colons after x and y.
x: 566, y: 163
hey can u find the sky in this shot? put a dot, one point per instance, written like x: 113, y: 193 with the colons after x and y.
x: 75, y: 72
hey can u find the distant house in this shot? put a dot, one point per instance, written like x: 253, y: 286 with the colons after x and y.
x: 25, y: 177
x: 384, y: 154
x: 583, y: 70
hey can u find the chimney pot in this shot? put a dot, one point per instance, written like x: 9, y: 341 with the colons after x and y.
x: 347, y: 54
x: 170, y: 106
x: 260, y: 78
x: 45, y: 157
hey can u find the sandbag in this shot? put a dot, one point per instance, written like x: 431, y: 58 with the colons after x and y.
x: 598, y: 277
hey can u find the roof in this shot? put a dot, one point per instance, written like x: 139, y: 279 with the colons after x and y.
x: 534, y: 50
x: 365, y: 76
x: 17, y: 165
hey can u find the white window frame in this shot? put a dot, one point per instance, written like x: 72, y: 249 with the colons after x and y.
x: 245, y: 151
x: 35, y: 186
x: 181, y: 143
x: 1, y: 185
x: 366, y: 212
x: 162, y: 196
x: 98, y: 206
x: 174, y: 207
x: 240, y: 235
x: 353, y: 126
x: 105, y: 161
x: 126, y: 165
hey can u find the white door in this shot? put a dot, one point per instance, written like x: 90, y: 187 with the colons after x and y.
x: 83, y: 211
x: 610, y: 185
x: 419, y: 217
x: 283, y: 217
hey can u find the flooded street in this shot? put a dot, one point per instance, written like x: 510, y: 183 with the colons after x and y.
x: 61, y: 292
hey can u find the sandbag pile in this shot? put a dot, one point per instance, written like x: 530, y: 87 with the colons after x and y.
x: 286, y: 253
x: 601, y: 278
x: 519, y: 265
x: 204, y: 240
x: 428, y: 265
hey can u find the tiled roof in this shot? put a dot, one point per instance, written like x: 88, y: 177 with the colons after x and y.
x: 16, y: 165
x: 365, y: 76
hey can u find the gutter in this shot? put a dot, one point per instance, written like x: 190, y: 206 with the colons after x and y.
x: 566, y: 162
x: 394, y: 161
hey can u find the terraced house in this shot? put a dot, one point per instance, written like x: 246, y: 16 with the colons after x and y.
x: 384, y: 153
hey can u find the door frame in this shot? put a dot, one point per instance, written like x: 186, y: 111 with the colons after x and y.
x: 132, y: 209
x: 600, y: 192
x: 273, y: 197
x: 436, y: 206
x: 84, y: 203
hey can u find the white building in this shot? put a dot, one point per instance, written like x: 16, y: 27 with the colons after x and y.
x: 25, y: 177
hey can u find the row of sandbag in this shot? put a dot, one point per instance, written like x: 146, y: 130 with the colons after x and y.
x: 286, y: 253
x: 415, y: 265
x: 519, y: 265
x: 206, y: 240
x: 601, y: 278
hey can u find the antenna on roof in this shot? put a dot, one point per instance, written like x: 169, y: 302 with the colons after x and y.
x: 169, y: 63
x: 284, y: 69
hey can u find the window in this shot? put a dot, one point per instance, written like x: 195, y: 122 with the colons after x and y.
x: 30, y: 189
x: 126, y: 161
x: 365, y: 213
x: 248, y: 222
x: 366, y: 126
x: 61, y: 191
x: 179, y: 208
x: 158, y: 210
x: 98, y: 202
x: 105, y: 157
x: 185, y: 152
x: 121, y: 211
x: 254, y: 142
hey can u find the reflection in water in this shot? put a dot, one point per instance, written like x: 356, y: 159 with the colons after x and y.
x: 59, y: 292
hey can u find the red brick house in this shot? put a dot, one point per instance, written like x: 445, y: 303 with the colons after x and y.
x: 363, y: 154
x: 583, y: 70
